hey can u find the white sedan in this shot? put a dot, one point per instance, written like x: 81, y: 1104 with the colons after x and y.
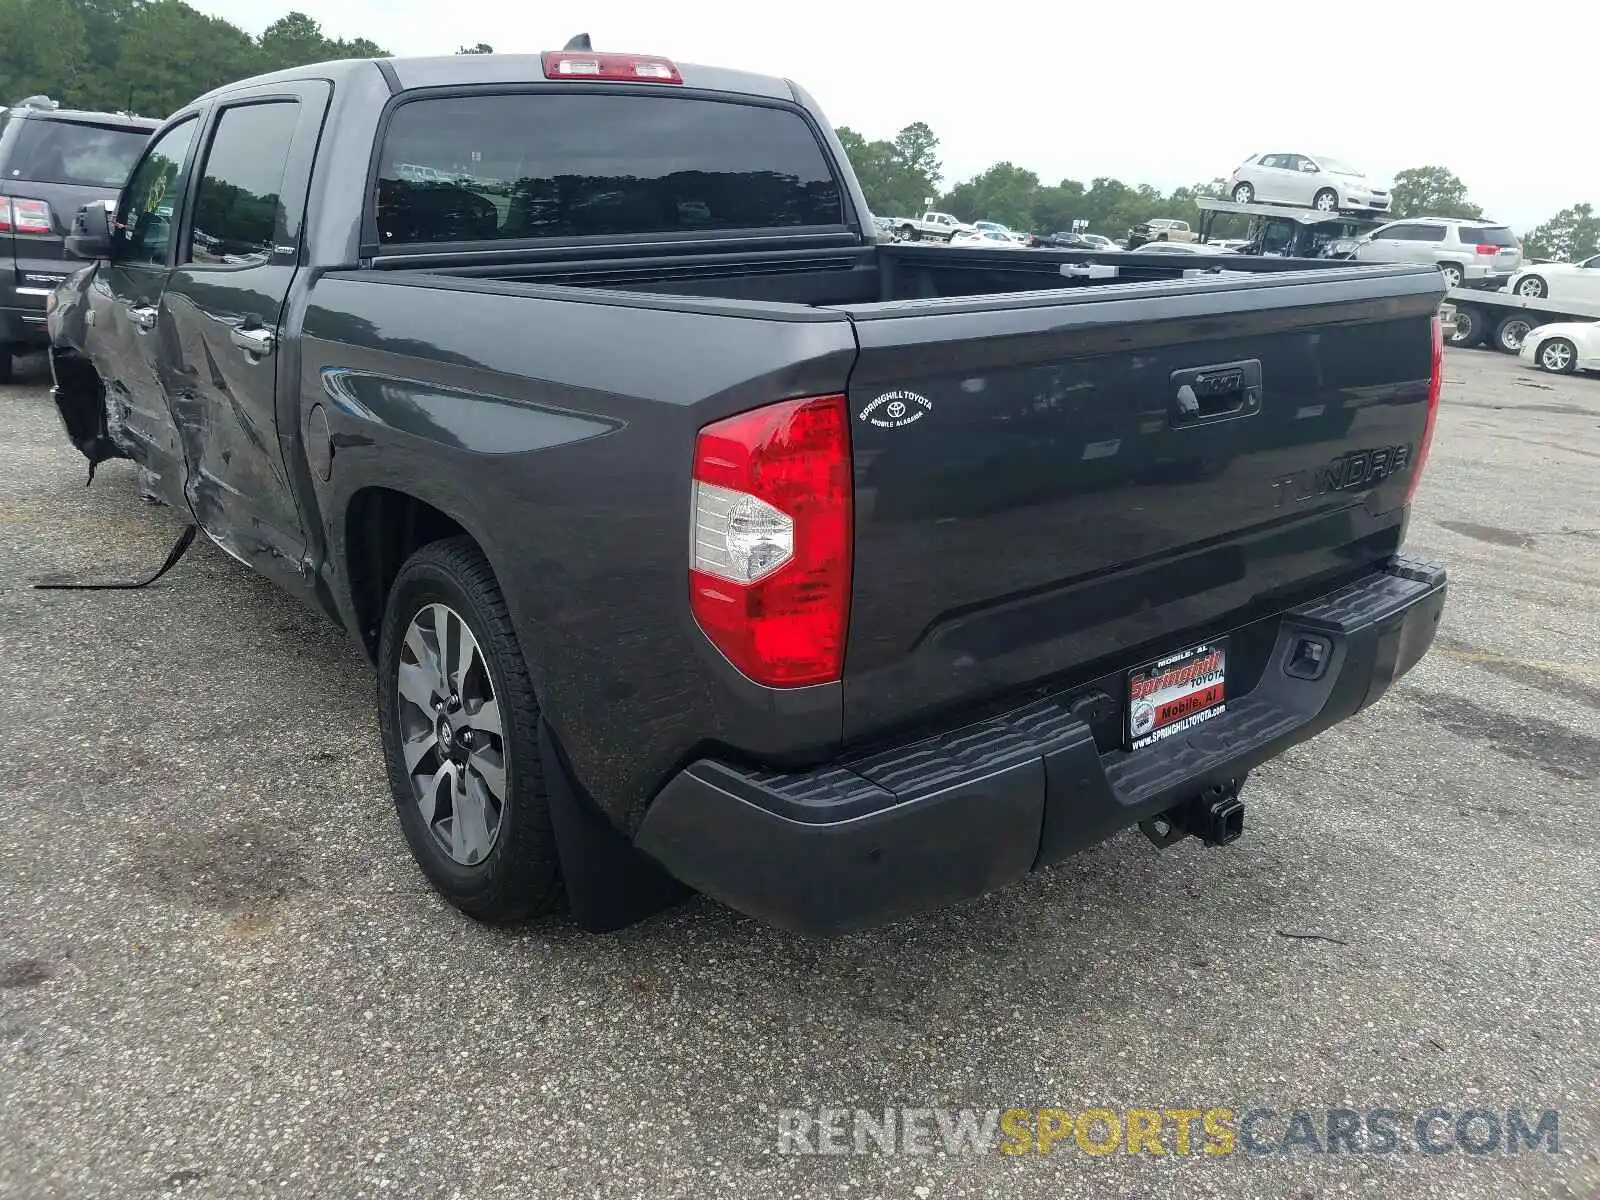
x: 1563, y: 347
x: 1181, y: 248
x: 986, y: 239
x: 1562, y: 281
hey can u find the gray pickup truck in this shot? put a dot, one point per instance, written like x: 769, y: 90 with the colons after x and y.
x: 700, y: 541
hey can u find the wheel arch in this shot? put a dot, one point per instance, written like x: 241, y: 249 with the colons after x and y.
x: 382, y: 527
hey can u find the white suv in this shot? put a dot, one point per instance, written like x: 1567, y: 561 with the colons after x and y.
x: 1468, y: 253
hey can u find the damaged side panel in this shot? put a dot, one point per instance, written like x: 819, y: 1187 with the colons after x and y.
x: 94, y: 423
x: 80, y: 399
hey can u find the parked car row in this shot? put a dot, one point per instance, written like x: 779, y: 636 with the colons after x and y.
x: 936, y: 226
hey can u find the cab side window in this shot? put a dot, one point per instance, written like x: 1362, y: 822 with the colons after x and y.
x: 146, y: 211
x: 236, y: 207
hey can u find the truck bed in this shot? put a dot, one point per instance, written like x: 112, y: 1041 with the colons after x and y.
x: 824, y: 275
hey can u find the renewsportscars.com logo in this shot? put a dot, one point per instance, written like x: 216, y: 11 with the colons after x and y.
x: 1178, y: 1132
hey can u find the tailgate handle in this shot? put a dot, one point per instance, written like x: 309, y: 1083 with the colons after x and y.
x: 1216, y: 392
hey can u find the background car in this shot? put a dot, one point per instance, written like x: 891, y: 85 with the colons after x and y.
x: 1181, y: 248
x: 1311, y: 180
x: 53, y: 161
x: 996, y: 227
x: 1064, y: 240
x: 1099, y: 241
x: 1470, y: 253
x: 986, y: 239
x: 1559, y: 280
x: 1563, y: 347
x: 1161, y: 229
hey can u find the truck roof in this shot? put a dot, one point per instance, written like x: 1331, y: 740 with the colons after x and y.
x: 467, y: 69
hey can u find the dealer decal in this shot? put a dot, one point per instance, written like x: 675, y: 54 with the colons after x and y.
x: 1176, y: 693
x: 894, y: 409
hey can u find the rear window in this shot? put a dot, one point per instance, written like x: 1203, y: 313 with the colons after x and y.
x: 1489, y: 235
x: 486, y: 168
x: 47, y: 151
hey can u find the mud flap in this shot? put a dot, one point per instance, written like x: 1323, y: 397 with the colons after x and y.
x: 609, y: 884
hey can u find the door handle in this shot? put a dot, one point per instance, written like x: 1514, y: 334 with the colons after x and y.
x: 257, y: 341
x: 1216, y: 393
x: 144, y: 317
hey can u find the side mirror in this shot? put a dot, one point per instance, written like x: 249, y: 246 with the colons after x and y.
x: 91, y: 233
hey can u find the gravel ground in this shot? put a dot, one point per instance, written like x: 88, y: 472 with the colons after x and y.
x: 220, y: 975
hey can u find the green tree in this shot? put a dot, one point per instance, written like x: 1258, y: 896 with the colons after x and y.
x: 1004, y: 193
x: 480, y: 48
x: 917, y: 149
x: 894, y: 175
x: 1572, y: 234
x: 170, y: 54
x: 44, y: 50
x: 1431, y: 192
x: 151, y: 56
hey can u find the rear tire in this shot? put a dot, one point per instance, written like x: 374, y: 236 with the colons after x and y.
x: 1509, y: 333
x: 1244, y: 194
x: 909, y: 232
x: 1454, y: 276
x: 1559, y: 356
x: 1327, y: 200
x: 1532, y: 287
x: 518, y: 875
x: 1471, y: 327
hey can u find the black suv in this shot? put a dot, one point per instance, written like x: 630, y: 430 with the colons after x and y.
x: 52, y: 163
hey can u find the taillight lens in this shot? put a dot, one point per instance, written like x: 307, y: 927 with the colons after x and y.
x: 1487, y: 249
x: 769, y: 575
x: 1434, y: 384
x: 633, y: 68
x: 25, y: 216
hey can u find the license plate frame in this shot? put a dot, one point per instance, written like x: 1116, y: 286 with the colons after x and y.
x: 1175, y: 692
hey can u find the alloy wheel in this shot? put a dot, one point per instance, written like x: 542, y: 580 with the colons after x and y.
x: 451, y: 734
x: 1555, y: 356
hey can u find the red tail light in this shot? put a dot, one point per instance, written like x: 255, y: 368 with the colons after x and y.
x: 25, y: 216
x: 769, y: 575
x: 1486, y: 249
x: 1434, y: 384
x: 584, y: 64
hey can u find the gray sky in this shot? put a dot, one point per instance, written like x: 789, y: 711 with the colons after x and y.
x: 1203, y: 87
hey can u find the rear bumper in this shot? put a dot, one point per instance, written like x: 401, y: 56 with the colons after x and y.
x: 950, y: 817
x: 22, y: 324
x: 22, y: 297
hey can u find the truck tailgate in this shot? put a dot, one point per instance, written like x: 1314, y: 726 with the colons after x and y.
x: 1047, y: 484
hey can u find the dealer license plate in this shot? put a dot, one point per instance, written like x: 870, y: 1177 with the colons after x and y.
x: 1176, y: 693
